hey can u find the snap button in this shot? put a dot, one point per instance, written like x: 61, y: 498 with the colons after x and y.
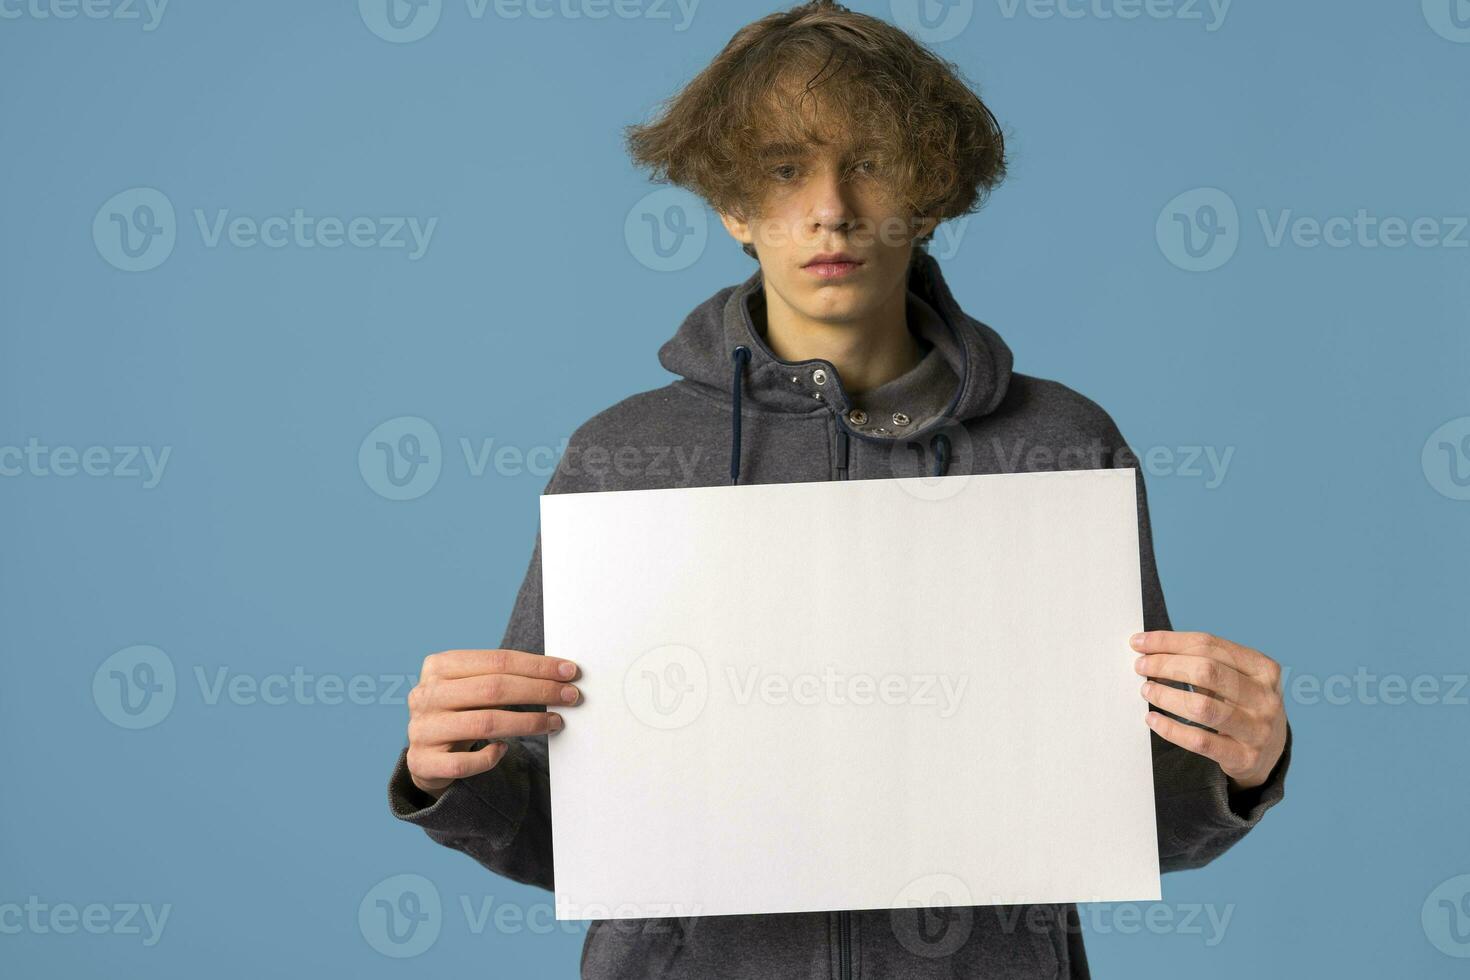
x: 795, y: 380
x: 819, y: 376
x: 857, y: 417
x: 900, y: 419
x: 817, y: 395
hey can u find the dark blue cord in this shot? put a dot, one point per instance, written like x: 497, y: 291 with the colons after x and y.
x: 740, y: 357
x: 940, y: 445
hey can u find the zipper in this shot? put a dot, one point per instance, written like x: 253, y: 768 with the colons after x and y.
x: 844, y: 942
x: 844, y: 919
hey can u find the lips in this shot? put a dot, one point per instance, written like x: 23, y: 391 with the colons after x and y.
x: 833, y: 258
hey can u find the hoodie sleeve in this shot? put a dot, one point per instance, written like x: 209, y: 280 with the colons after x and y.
x: 501, y: 818
x: 1198, y: 817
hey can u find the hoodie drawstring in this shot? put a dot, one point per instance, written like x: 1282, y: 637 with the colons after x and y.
x: 741, y: 357
x: 940, y: 445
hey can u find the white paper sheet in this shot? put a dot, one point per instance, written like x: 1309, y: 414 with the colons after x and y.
x: 849, y: 695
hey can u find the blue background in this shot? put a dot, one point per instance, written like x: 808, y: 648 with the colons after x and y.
x: 1331, y: 543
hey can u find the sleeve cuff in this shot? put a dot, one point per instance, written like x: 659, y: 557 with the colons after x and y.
x: 1247, y: 806
x: 489, y: 806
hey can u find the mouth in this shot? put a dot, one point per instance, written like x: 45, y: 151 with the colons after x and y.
x: 833, y: 265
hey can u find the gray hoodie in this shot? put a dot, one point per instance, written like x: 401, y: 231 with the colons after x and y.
x: 738, y: 414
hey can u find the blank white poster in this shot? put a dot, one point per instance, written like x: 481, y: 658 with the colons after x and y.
x: 859, y: 694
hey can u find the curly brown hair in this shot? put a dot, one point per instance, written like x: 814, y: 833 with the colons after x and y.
x: 936, y: 145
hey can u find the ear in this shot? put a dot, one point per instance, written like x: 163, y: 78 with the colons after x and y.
x: 738, y: 228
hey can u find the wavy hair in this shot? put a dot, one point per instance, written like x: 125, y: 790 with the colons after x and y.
x: 939, y: 149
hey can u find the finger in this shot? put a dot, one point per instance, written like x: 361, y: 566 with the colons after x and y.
x: 1224, y: 717
x: 445, y: 727
x: 1225, y: 751
x: 489, y: 691
x: 442, y: 764
x: 450, y: 664
x: 1173, y: 641
x: 1209, y: 676
x: 1258, y: 665
x: 1251, y: 663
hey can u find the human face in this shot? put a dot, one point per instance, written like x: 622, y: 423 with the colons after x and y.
x: 833, y: 242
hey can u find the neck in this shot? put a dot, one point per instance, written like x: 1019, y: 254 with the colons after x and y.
x: 867, y: 352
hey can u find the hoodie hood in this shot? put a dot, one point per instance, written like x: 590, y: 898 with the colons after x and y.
x: 719, y: 348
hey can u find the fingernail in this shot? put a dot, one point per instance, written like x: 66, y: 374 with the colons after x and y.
x: 1138, y: 664
x: 567, y: 670
x: 1136, y: 640
x: 1147, y: 688
x: 556, y: 723
x: 569, y: 694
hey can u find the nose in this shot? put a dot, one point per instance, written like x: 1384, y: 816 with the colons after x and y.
x: 830, y: 207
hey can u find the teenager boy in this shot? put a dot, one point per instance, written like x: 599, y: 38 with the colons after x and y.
x: 832, y: 144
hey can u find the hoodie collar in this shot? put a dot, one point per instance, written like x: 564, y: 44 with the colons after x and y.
x: 967, y: 356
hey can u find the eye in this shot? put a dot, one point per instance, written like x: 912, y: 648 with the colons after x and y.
x: 867, y: 166
x: 784, y: 172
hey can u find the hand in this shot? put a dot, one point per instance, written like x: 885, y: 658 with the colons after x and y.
x: 1237, y: 693
x: 460, y: 699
